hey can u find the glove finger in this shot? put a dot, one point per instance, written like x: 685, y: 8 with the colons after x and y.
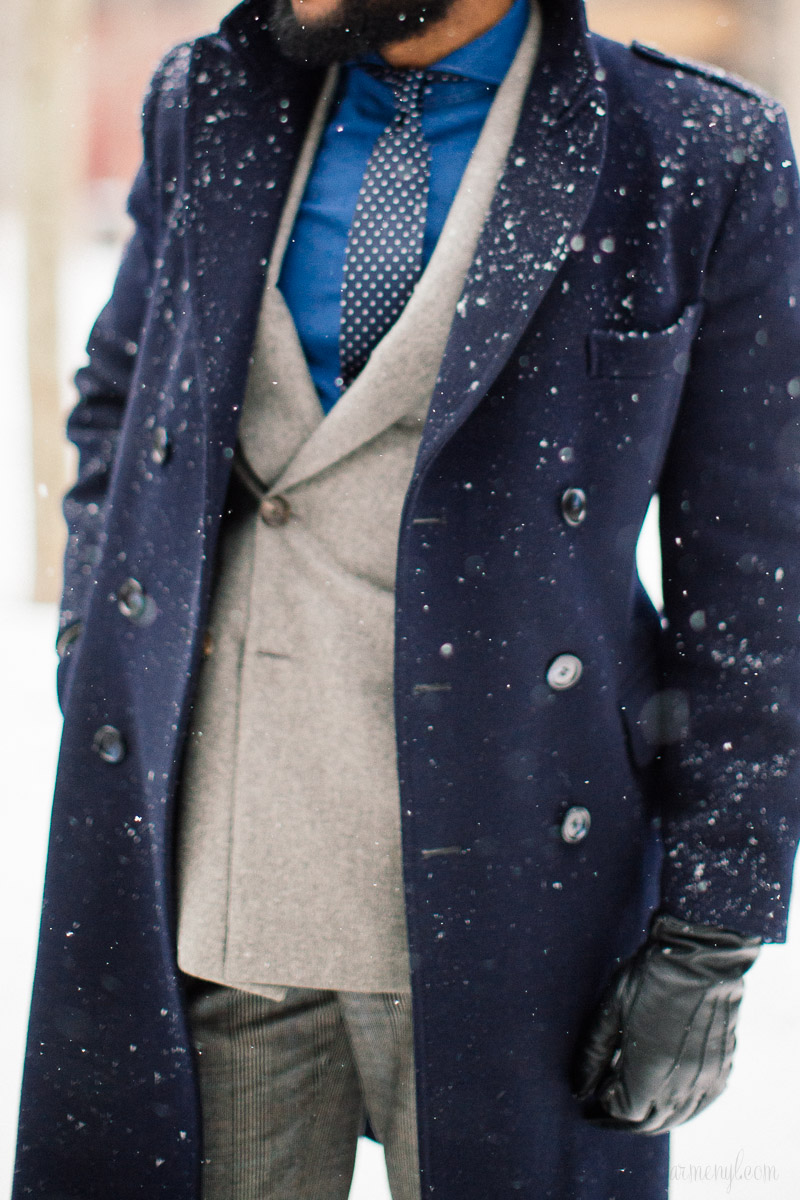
x: 669, y: 1113
x: 718, y: 1048
x: 702, y: 1066
x: 660, y: 1119
x: 610, y: 1111
x: 615, y: 1100
x: 664, y: 1119
x: 603, y: 1121
x: 598, y: 1047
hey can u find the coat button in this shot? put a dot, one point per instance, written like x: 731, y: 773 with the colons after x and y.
x: 573, y: 506
x: 564, y: 672
x: 274, y: 511
x: 160, y: 446
x: 109, y: 744
x: 68, y: 637
x: 575, y: 825
x: 131, y: 600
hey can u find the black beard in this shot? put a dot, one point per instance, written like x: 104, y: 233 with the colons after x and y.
x: 357, y: 27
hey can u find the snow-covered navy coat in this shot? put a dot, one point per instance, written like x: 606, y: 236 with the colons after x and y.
x: 629, y: 326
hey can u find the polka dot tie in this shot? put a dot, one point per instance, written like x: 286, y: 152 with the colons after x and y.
x: 384, y: 250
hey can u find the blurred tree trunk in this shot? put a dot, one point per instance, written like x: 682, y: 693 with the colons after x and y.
x: 54, y: 37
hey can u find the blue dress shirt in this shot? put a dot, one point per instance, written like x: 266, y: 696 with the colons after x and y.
x: 311, y: 276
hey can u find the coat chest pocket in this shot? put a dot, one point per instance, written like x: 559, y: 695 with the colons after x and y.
x: 639, y: 354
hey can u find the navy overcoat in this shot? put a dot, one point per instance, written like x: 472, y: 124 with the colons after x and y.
x: 630, y: 325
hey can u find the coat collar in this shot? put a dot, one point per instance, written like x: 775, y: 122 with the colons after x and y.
x: 249, y: 109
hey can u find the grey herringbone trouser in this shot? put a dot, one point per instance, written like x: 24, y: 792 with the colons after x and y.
x: 286, y: 1087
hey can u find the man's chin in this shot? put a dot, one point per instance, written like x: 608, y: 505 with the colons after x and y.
x: 356, y: 27
x: 314, y: 43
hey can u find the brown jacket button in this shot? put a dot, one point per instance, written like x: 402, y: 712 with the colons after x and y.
x: 274, y: 511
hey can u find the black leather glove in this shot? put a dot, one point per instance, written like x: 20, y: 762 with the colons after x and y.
x: 661, y: 1046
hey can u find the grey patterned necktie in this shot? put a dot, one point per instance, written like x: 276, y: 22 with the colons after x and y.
x: 384, y: 249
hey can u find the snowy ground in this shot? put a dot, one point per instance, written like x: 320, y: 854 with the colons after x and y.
x: 746, y: 1145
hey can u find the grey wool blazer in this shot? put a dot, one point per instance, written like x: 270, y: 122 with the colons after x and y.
x: 289, y: 858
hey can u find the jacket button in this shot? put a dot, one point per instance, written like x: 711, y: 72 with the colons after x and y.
x: 274, y: 511
x: 160, y: 446
x: 109, y: 744
x: 131, y: 600
x: 564, y: 672
x: 573, y: 506
x: 575, y: 825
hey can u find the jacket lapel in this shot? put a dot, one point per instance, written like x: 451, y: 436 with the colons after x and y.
x: 542, y: 200
x: 399, y: 378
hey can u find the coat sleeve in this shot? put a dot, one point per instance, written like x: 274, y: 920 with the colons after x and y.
x: 730, y: 520
x: 104, y: 383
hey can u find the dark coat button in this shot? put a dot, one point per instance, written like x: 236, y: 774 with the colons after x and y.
x: 109, y: 744
x: 575, y: 825
x: 274, y: 511
x: 132, y: 600
x: 573, y: 506
x: 564, y: 672
x: 160, y: 446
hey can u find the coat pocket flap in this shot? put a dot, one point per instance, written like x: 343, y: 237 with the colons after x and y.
x: 617, y: 354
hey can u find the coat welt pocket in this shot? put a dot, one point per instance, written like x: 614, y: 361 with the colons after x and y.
x: 630, y: 354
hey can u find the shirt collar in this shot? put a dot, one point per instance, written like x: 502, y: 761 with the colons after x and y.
x: 489, y: 56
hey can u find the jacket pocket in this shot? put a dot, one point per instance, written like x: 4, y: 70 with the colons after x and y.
x: 631, y: 354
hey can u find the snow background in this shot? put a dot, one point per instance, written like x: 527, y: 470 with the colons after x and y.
x: 745, y: 1145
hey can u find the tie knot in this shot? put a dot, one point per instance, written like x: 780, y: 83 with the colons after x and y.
x: 408, y: 85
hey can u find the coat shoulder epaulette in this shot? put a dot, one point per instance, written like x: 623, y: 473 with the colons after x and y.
x: 689, y: 66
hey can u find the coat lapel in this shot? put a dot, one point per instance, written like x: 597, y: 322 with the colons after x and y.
x: 542, y: 200
x: 247, y: 116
